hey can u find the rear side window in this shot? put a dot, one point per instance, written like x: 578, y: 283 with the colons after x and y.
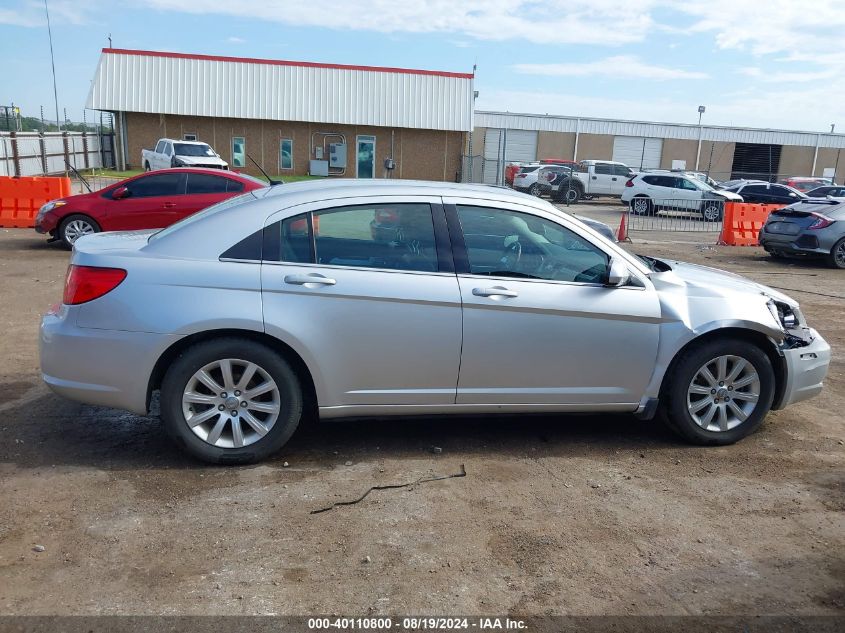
x: 391, y: 236
x: 205, y: 183
x: 604, y: 168
x: 621, y: 170
x: 164, y: 184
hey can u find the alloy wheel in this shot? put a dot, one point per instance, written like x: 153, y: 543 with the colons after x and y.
x: 723, y: 393
x: 76, y: 229
x: 231, y: 403
x: 839, y: 255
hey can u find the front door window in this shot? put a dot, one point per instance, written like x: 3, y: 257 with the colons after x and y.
x: 366, y: 156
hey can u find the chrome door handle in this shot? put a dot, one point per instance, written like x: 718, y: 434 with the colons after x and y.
x: 495, y: 291
x: 304, y: 280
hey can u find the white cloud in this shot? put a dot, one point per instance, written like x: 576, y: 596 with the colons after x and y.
x: 545, y: 22
x: 31, y: 13
x: 619, y: 66
x: 235, y: 40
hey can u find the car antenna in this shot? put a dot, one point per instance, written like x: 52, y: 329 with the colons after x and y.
x: 78, y: 175
x: 266, y: 175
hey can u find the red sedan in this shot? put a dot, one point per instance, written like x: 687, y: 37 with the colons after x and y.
x: 150, y: 201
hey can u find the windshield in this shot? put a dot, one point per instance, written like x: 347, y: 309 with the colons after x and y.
x: 208, y: 211
x: 700, y: 184
x: 193, y: 149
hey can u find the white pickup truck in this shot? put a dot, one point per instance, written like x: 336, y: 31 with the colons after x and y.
x: 169, y: 153
x: 594, y: 178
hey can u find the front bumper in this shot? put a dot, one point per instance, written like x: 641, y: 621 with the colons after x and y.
x: 110, y: 368
x: 806, y: 367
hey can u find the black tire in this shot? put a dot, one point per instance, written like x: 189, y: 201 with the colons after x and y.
x: 146, y: 165
x: 674, y: 394
x: 568, y: 194
x: 534, y: 190
x: 66, y: 228
x: 836, y: 259
x: 198, y: 356
x: 641, y: 205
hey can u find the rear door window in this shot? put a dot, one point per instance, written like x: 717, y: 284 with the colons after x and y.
x: 206, y: 183
x: 603, y: 169
x: 160, y: 184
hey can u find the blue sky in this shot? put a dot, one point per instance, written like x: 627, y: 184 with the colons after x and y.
x: 751, y: 63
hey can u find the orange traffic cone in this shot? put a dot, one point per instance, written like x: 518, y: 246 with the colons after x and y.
x: 622, y: 233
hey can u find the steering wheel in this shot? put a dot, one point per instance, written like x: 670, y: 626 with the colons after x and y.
x: 511, y: 256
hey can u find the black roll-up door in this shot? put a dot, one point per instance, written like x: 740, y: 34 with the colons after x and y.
x: 756, y: 161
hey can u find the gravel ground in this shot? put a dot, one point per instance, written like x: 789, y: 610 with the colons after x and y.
x: 556, y: 515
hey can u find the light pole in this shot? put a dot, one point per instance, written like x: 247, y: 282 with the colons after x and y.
x: 701, y: 110
x: 53, y: 64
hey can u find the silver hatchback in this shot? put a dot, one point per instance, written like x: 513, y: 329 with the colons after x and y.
x: 367, y: 298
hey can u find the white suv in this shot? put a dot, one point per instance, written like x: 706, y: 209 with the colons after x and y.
x: 526, y: 180
x: 648, y: 193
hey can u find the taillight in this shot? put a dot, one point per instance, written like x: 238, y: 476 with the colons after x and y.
x: 822, y: 221
x: 86, y: 283
x: 630, y: 182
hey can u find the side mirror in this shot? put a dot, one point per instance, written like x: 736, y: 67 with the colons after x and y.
x: 120, y: 193
x: 618, y: 273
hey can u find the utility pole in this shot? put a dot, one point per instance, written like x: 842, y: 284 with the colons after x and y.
x: 53, y: 64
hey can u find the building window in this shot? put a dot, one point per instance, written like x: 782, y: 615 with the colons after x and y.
x: 286, y: 154
x: 238, y: 151
x: 189, y: 137
x: 366, y: 156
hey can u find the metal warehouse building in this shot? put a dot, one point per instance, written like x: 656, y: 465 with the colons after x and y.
x: 724, y: 152
x: 291, y: 117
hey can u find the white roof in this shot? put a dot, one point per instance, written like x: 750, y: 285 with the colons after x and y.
x: 242, y: 88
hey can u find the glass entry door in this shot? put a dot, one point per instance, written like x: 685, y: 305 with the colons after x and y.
x: 366, y: 152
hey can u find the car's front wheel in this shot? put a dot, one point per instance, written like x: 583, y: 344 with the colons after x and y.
x: 534, y: 190
x: 75, y: 226
x: 231, y: 401
x: 719, y: 391
x: 711, y: 211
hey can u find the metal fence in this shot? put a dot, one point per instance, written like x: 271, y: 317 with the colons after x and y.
x: 95, y: 182
x: 676, y: 215
x: 37, y: 154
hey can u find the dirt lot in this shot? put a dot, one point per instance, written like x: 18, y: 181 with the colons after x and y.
x: 587, y: 515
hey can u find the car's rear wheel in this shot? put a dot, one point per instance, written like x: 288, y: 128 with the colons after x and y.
x: 568, y: 193
x: 836, y: 259
x: 534, y: 189
x: 231, y: 401
x: 75, y: 226
x: 642, y: 206
x: 719, y: 392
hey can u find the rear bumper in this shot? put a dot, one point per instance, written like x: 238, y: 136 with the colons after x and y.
x: 108, y: 368
x: 806, y: 368
x: 801, y: 244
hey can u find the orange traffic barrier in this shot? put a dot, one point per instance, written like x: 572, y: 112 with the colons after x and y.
x: 742, y: 222
x: 20, y: 198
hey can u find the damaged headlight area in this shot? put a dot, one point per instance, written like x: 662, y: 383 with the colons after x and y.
x: 796, y: 332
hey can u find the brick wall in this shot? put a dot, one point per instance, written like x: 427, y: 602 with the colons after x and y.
x: 419, y: 154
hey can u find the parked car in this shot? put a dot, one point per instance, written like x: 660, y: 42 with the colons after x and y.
x: 809, y: 228
x: 148, y: 201
x: 763, y: 192
x: 834, y: 191
x: 280, y: 304
x: 169, y: 153
x: 558, y: 181
x: 526, y: 179
x: 804, y: 183
x: 648, y: 193
x: 511, y: 170
x: 595, y: 178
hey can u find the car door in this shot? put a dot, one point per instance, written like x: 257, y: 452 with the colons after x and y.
x: 157, y: 161
x: 540, y: 327
x: 754, y: 193
x: 365, y: 290
x: 150, y: 203
x: 621, y: 175
x: 601, y: 183
x: 782, y: 195
x: 687, y: 195
x: 202, y: 191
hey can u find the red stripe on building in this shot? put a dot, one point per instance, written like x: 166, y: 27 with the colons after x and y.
x: 281, y: 62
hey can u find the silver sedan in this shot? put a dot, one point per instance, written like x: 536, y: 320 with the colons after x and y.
x: 365, y: 298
